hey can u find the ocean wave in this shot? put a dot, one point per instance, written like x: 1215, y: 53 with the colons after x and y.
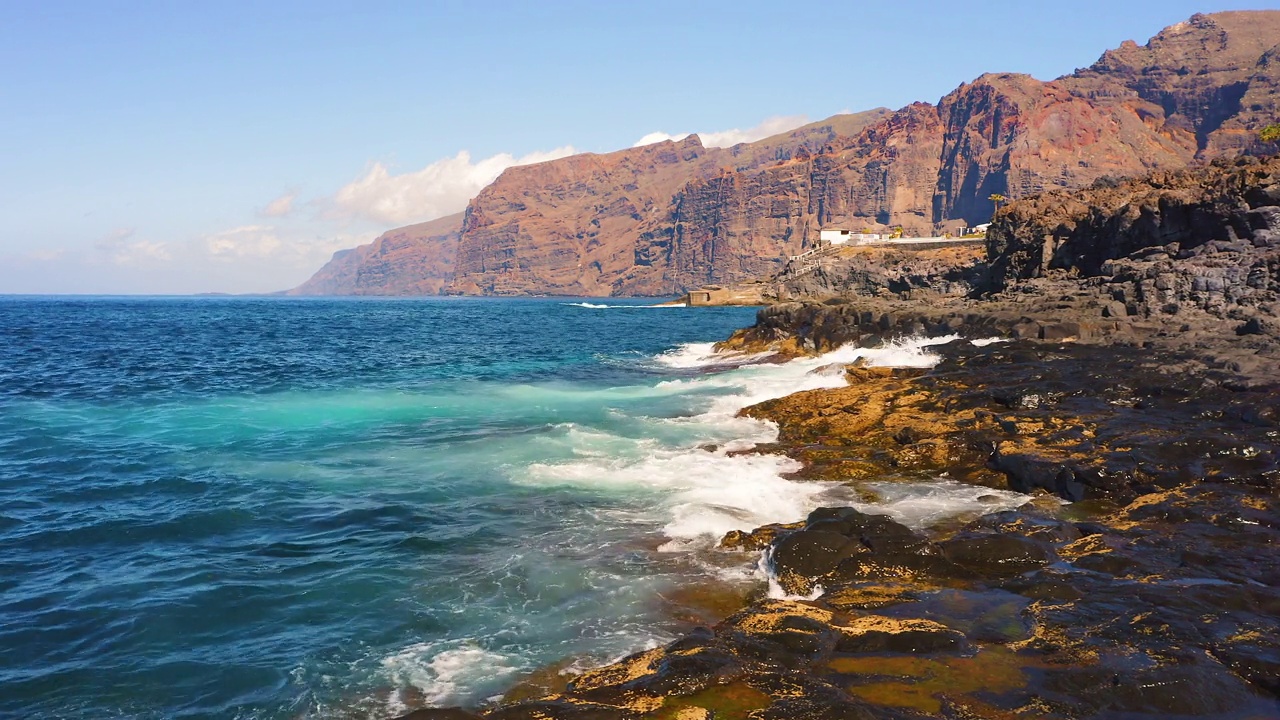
x: 446, y: 673
x: 704, y: 488
x: 602, y: 306
x: 704, y: 355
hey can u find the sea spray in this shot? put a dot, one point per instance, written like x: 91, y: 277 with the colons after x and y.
x: 706, y: 487
x: 700, y: 492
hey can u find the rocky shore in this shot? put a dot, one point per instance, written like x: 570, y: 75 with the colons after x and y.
x: 1133, y: 394
x: 1154, y: 592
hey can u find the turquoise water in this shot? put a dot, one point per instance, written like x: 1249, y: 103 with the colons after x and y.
x: 297, y: 508
x: 282, y: 508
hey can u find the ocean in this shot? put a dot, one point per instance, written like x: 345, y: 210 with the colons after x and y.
x: 348, y: 508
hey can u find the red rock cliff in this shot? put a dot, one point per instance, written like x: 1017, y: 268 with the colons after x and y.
x: 663, y: 218
x: 413, y: 260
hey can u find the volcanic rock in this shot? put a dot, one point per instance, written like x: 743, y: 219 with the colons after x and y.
x: 669, y: 217
x: 413, y: 260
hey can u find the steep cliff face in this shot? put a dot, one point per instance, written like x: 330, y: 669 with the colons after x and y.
x: 564, y: 227
x: 578, y: 226
x: 664, y: 218
x: 1198, y: 72
x: 744, y: 224
x: 1015, y: 136
x: 413, y: 260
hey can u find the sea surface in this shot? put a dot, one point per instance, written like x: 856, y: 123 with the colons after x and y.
x: 314, y: 508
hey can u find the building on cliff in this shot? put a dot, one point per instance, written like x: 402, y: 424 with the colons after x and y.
x: 666, y: 218
x: 833, y: 236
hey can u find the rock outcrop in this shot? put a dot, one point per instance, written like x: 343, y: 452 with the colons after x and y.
x: 1207, y: 238
x: 885, y: 270
x: 413, y: 260
x: 1185, y: 261
x: 670, y: 217
x: 1154, y: 595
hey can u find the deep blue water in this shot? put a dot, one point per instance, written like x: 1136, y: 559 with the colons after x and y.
x: 283, y: 508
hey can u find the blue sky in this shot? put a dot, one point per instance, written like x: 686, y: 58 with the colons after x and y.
x: 182, y: 147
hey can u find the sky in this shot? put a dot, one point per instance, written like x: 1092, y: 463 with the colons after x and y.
x: 184, y: 147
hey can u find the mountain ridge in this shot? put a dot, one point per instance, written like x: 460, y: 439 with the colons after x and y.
x: 663, y: 218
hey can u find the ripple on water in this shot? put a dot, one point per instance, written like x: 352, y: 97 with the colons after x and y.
x: 274, y: 508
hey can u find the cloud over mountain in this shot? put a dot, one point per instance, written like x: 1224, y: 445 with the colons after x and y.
x: 439, y: 189
x: 728, y: 138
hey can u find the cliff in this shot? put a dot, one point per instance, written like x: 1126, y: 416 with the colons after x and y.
x: 1185, y: 261
x: 413, y: 260
x: 669, y: 217
x: 581, y: 225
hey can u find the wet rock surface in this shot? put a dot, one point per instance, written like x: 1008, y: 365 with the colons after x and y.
x: 1078, y: 421
x: 1155, y: 594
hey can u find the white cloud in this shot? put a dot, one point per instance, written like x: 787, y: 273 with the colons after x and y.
x: 263, y: 257
x: 729, y: 138
x: 657, y: 137
x: 268, y: 242
x: 279, y: 207
x: 248, y: 241
x: 121, y: 248
x: 439, y: 189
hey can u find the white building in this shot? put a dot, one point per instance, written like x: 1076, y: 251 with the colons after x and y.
x: 835, y: 236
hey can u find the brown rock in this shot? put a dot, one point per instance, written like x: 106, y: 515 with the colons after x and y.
x: 757, y: 539
x: 413, y: 260
x: 669, y: 217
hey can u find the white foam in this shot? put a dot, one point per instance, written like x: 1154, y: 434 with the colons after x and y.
x: 601, y: 306
x: 920, y: 505
x: 683, y: 475
x: 904, y: 353
x: 764, y: 568
x: 703, y: 493
x: 448, y: 672
x: 699, y: 355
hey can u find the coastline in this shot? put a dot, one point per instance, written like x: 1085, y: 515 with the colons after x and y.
x: 1008, y: 596
x: 1117, y: 366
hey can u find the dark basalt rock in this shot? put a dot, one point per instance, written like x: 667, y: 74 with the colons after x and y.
x: 841, y: 546
x: 440, y: 714
x: 560, y: 710
x: 992, y: 555
x: 1258, y: 663
x: 837, y: 546
x: 1028, y: 523
x: 1195, y: 688
x: 812, y: 554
